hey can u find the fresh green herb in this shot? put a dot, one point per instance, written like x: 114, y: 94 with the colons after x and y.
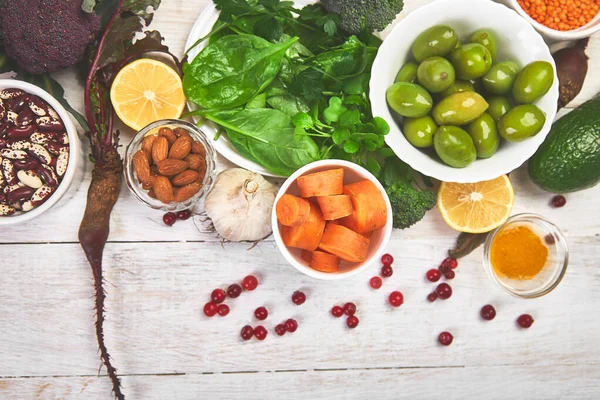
x: 466, y: 243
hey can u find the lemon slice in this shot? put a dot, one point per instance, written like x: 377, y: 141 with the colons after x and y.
x: 145, y: 91
x: 476, y: 207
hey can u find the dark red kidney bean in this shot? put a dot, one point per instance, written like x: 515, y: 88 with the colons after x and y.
x: 20, y: 133
x: 49, y: 124
x: 53, y: 162
x: 2, y: 109
x: 17, y: 104
x: 4, y: 127
x: 37, y: 105
x: 2, y: 143
x: 25, y: 117
x: 29, y: 163
x: 48, y: 176
x: 20, y: 194
x: 55, y: 147
x: 12, y: 93
x: 2, y: 198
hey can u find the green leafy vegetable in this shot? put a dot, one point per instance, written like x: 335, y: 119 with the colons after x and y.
x: 358, y: 15
x: 466, y: 243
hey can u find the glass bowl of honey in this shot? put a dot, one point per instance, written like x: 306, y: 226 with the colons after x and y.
x: 527, y: 256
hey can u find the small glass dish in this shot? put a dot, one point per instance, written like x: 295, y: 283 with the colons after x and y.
x: 552, y: 272
x: 136, y: 143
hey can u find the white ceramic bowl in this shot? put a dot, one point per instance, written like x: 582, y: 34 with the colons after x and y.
x: 553, y: 35
x: 75, y: 158
x: 517, y: 40
x: 379, y: 238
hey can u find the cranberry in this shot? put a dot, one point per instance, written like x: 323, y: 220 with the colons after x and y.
x: 218, y: 296
x: 261, y: 313
x: 291, y: 325
x: 234, y: 291
x: 433, y: 275
x: 210, y: 309
x: 449, y: 262
x: 549, y: 239
x: 184, y: 214
x: 298, y: 298
x: 558, y: 201
x: 280, y: 329
x: 488, y: 312
x: 445, y: 338
x: 352, y: 321
x: 450, y: 274
x: 444, y: 291
x: 169, y: 218
x: 387, y: 259
x: 386, y: 271
x: 375, y: 282
x: 349, y: 308
x: 260, y: 332
x: 247, y: 332
x: 337, y: 311
x: 223, y: 310
x: 443, y: 269
x: 250, y: 282
x: 525, y: 321
x: 396, y: 298
x: 432, y: 297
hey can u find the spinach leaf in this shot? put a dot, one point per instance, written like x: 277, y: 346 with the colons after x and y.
x: 232, y: 70
x: 291, y: 105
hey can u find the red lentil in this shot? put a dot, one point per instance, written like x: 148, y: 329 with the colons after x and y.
x: 561, y: 15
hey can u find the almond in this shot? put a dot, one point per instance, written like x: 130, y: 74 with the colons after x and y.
x: 152, y: 194
x: 147, y: 185
x: 162, y: 189
x: 180, y: 132
x: 196, y: 161
x: 187, y: 191
x: 160, y: 149
x: 185, y: 178
x: 147, y: 144
x: 181, y: 148
x: 168, y: 133
x: 141, y: 165
x: 171, y: 166
x: 197, y: 148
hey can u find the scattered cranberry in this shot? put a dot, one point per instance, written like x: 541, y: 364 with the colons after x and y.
x: 250, y: 282
x: 223, y: 310
x: 386, y: 271
x: 184, y: 214
x: 210, y: 309
x: 445, y: 338
x: 558, y: 201
x: 291, y: 325
x: 352, y: 322
x: 169, y: 218
x: 298, y: 298
x: 396, y: 298
x: 375, y: 282
x: 387, y: 259
x: 280, y: 329
x: 525, y: 321
x: 449, y: 262
x: 247, y: 332
x: 260, y: 332
x: 234, y: 291
x: 549, y: 239
x: 443, y: 269
x: 261, y: 313
x: 218, y: 296
x: 488, y: 312
x: 349, y: 308
x: 433, y: 275
x: 449, y: 274
x: 432, y: 297
x: 444, y: 291
x: 337, y: 311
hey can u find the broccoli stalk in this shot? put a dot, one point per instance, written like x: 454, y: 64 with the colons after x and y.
x: 358, y: 15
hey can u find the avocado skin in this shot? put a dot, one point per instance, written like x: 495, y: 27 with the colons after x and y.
x: 569, y: 158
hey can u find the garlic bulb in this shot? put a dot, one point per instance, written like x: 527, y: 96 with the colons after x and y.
x: 240, y: 205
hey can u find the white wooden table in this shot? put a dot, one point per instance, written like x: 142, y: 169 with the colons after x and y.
x: 158, y: 279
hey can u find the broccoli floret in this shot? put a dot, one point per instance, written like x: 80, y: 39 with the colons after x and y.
x: 355, y: 15
x: 408, y: 204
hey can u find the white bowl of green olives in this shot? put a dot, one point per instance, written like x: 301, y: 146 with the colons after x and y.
x: 471, y: 87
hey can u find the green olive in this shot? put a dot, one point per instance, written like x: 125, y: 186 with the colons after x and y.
x: 408, y: 73
x: 438, y: 40
x: 471, y: 61
x: 498, y: 106
x: 486, y: 38
x: 459, y: 108
x: 454, y: 146
x: 409, y: 99
x: 419, y: 131
x: 521, y: 122
x: 485, y: 135
x: 499, y: 79
x: 457, y: 86
x: 436, y: 74
x: 533, y: 82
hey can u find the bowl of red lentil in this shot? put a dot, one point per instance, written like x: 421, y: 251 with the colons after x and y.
x: 559, y: 20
